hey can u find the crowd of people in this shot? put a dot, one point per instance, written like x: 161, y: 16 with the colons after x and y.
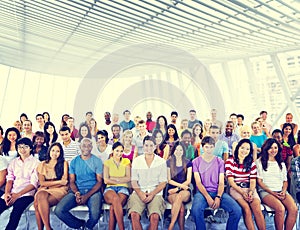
x: 144, y: 163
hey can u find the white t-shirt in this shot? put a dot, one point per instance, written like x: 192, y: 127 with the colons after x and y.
x: 273, y: 177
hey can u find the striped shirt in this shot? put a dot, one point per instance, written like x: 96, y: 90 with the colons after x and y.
x: 238, y: 172
x: 71, y: 151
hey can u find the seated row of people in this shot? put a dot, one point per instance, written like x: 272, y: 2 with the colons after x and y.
x: 80, y: 183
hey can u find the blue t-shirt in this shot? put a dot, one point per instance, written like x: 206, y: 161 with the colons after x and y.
x: 85, y: 171
x: 258, y: 140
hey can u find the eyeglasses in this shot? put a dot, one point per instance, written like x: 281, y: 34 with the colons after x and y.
x: 23, y: 147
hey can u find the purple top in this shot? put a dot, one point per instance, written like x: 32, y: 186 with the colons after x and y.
x: 209, y: 172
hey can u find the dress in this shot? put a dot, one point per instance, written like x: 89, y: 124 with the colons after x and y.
x: 49, y: 173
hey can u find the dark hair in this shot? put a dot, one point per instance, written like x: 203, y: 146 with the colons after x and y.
x: 208, y: 140
x: 186, y: 131
x: 298, y: 137
x: 192, y: 111
x: 23, y: 115
x: 241, y: 116
x: 39, y: 115
x: 1, y: 130
x: 157, y: 126
x: 89, y: 112
x: 38, y: 134
x: 163, y: 144
x: 265, y: 155
x: 277, y: 131
x: 172, y: 159
x: 248, y: 159
x: 126, y: 111
x: 103, y: 133
x: 65, y: 128
x: 214, y: 127
x: 116, y: 145
x: 47, y: 114
x: 59, y: 166
x: 6, y: 143
x: 29, y: 121
x: 89, y: 135
x: 233, y: 114
x: 47, y: 135
x: 174, y: 113
x: 291, y: 139
x: 176, y: 137
x: 115, y: 125
x: 261, y: 112
x: 63, y: 123
x: 25, y: 141
x: 148, y: 138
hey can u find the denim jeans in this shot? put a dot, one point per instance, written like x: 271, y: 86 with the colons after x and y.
x: 227, y: 203
x: 94, y: 203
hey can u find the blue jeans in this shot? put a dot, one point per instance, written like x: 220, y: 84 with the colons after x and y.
x: 227, y: 203
x: 94, y: 203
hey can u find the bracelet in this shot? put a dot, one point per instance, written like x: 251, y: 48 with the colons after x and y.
x: 217, y: 196
x: 179, y: 189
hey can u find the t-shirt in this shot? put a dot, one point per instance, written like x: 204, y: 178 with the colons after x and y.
x: 117, y: 171
x: 180, y: 176
x: 209, y: 172
x: 127, y: 125
x: 273, y: 177
x: 149, y: 177
x: 71, y: 150
x: 221, y: 147
x: 258, y: 140
x: 85, y: 171
x: 192, y: 123
x: 238, y: 172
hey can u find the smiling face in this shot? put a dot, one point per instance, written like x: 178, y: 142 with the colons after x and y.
x: 100, y: 139
x: 24, y: 150
x: 86, y: 147
x: 214, y: 133
x: 27, y: 126
x: 287, y: 130
x: 243, y: 151
x: 118, y: 152
x: 289, y: 118
x: 12, y: 136
x: 171, y: 132
x: 84, y: 131
x: 197, y: 130
x: 273, y: 150
x: 158, y: 139
x: 178, y: 151
x: 54, y: 152
x: 256, y: 128
x: 128, y: 138
x: 50, y: 129
x: 149, y: 147
x: 39, y: 141
x: 65, y: 135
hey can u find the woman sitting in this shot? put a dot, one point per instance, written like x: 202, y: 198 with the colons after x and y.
x: 116, y: 176
x: 272, y: 181
x: 179, y: 178
x: 241, y: 174
x: 53, y: 178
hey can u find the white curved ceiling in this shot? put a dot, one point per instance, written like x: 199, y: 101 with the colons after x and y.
x: 67, y: 37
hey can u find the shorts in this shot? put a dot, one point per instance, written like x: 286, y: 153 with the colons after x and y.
x: 263, y: 193
x: 117, y: 189
x: 157, y: 205
x: 236, y: 195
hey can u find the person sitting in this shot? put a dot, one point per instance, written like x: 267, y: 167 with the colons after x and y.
x: 179, y: 179
x: 21, y: 182
x: 241, y: 175
x: 85, y: 177
x: 209, y: 176
x: 272, y: 182
x: 53, y: 179
x: 116, y: 175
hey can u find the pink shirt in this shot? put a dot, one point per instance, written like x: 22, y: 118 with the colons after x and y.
x: 23, y: 173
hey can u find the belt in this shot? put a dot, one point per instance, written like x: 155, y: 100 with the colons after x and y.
x: 244, y: 184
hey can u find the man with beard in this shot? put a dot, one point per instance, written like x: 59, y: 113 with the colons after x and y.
x: 229, y: 137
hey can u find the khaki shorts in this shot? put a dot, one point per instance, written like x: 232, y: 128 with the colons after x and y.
x: 157, y: 205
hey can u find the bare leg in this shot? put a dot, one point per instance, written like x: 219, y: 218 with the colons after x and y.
x: 258, y: 216
x: 116, y: 201
x: 176, y: 201
x: 181, y: 217
x: 135, y: 221
x: 44, y: 201
x: 276, y: 204
x: 292, y: 212
x: 38, y: 216
x: 247, y: 214
x: 154, y: 220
